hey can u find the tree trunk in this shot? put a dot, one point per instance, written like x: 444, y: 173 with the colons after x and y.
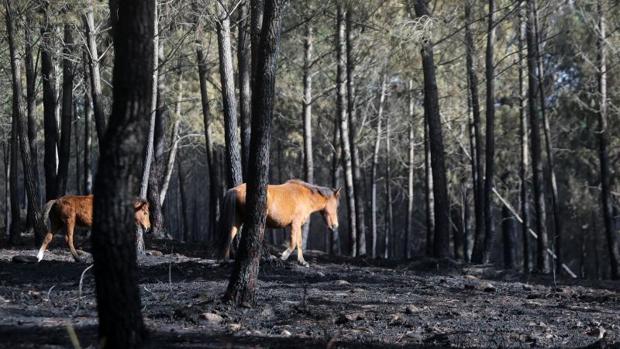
x: 21, y: 135
x: 389, y: 217
x: 183, y: 197
x: 233, y: 154
x: 88, y: 117
x: 244, y: 278
x: 542, y: 258
x: 203, y: 73
x: 50, y: 126
x: 410, y: 176
x: 31, y: 78
x: 95, y: 75
x: 489, y: 228
x: 334, y: 242
x: 456, y: 218
x: 344, y: 127
x: 256, y: 25
x: 15, y: 229
x: 174, y: 146
x: 118, y: 177
x: 477, y: 151
x: 523, y: 131
x: 355, y: 162
x: 429, y: 197
x: 441, y: 243
x: 508, y: 229
x: 245, y: 71
x: 307, y: 117
x: 374, y: 170
x: 603, y: 138
x: 76, y: 145
x: 68, y: 71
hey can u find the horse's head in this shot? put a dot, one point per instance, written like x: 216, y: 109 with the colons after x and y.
x: 330, y: 212
x: 142, y: 214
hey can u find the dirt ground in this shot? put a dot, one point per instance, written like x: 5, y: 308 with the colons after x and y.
x: 337, y: 302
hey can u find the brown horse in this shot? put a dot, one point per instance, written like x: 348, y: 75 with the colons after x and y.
x: 288, y: 204
x: 73, y: 210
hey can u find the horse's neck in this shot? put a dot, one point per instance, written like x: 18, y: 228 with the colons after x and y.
x: 318, y: 202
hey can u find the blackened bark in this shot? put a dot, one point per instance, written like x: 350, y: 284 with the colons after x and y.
x: 21, y: 134
x: 203, y: 73
x: 456, y: 217
x: 489, y: 228
x: 31, y: 96
x: 15, y: 221
x: 245, y: 71
x: 603, y: 138
x: 50, y: 126
x: 441, y: 243
x: 64, y: 152
x: 183, y: 198
x: 244, y: 278
x: 334, y: 238
x: 118, y: 177
x: 88, y: 117
x: 542, y: 259
x: 95, y: 75
x: 389, y: 235
x: 344, y: 127
x: 229, y: 101
x: 508, y: 231
x: 523, y: 131
x: 410, y: 175
x: 360, y: 218
x: 307, y: 119
x: 256, y: 25
x: 477, y: 169
x: 429, y: 197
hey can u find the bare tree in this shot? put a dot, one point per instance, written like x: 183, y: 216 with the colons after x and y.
x: 307, y: 118
x: 244, y: 55
x: 374, y: 169
x: 95, y: 75
x: 410, y: 173
x: 68, y: 72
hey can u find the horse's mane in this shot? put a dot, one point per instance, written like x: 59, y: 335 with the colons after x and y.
x: 316, y: 189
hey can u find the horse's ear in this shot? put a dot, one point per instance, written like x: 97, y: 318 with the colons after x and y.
x: 140, y: 203
x: 337, y: 192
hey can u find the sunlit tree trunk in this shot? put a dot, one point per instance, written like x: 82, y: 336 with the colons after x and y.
x: 389, y: 235
x: 94, y: 71
x: 374, y: 170
x: 88, y: 117
x: 429, y: 197
x: 307, y: 118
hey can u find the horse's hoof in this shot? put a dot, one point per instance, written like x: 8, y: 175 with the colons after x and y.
x: 304, y: 264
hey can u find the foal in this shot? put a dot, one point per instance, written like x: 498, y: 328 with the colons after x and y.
x: 288, y: 204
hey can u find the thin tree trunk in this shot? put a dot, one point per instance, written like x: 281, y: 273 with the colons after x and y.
x: 441, y: 243
x: 508, y: 229
x: 456, y: 217
x: 374, y: 170
x: 334, y: 245
x: 88, y: 117
x: 68, y: 71
x: 203, y: 73
x: 183, y: 197
x: 21, y: 134
x: 76, y: 140
x: 118, y: 177
x: 174, y: 141
x: 31, y: 78
x: 410, y: 176
x: 307, y: 117
x: 355, y: 162
x: 489, y: 228
x: 95, y: 75
x: 477, y: 151
x: 523, y: 131
x: 344, y: 127
x: 50, y: 126
x: 244, y: 278
x: 245, y: 71
x: 428, y: 193
x: 256, y: 25
x: 15, y: 230
x: 233, y: 153
x: 542, y: 258
x: 603, y: 138
x: 389, y: 217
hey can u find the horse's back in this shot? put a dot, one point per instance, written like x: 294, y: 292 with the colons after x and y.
x: 78, y: 207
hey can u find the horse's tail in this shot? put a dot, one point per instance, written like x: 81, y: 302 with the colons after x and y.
x: 46, y: 212
x: 227, y: 220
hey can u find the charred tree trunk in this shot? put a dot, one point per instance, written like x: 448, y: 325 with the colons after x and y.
x: 441, y: 243
x: 429, y: 197
x: 410, y: 176
x: 15, y: 221
x: 244, y: 278
x: 542, y: 258
x: 508, y: 230
x: 489, y: 228
x: 118, y: 177
x: 233, y: 154
x: 374, y: 170
x: 344, y: 127
x: 389, y: 217
x: 355, y: 162
x: 203, y: 73
x: 307, y: 117
x: 95, y: 75
x: 256, y: 25
x: 21, y: 135
x: 456, y: 213
x: 523, y: 132
x: 50, y: 126
x: 31, y: 78
x: 88, y: 117
x: 183, y: 198
x: 245, y: 71
x: 68, y: 71
x: 603, y: 139
x: 334, y: 238
x: 477, y: 169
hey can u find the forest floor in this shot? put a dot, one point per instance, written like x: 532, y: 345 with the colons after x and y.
x: 337, y: 302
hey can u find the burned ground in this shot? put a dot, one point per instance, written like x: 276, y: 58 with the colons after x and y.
x: 337, y: 302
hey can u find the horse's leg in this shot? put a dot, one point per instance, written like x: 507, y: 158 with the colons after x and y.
x: 69, y: 238
x: 291, y: 246
x: 46, y: 241
x: 298, y: 241
x: 231, y: 237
